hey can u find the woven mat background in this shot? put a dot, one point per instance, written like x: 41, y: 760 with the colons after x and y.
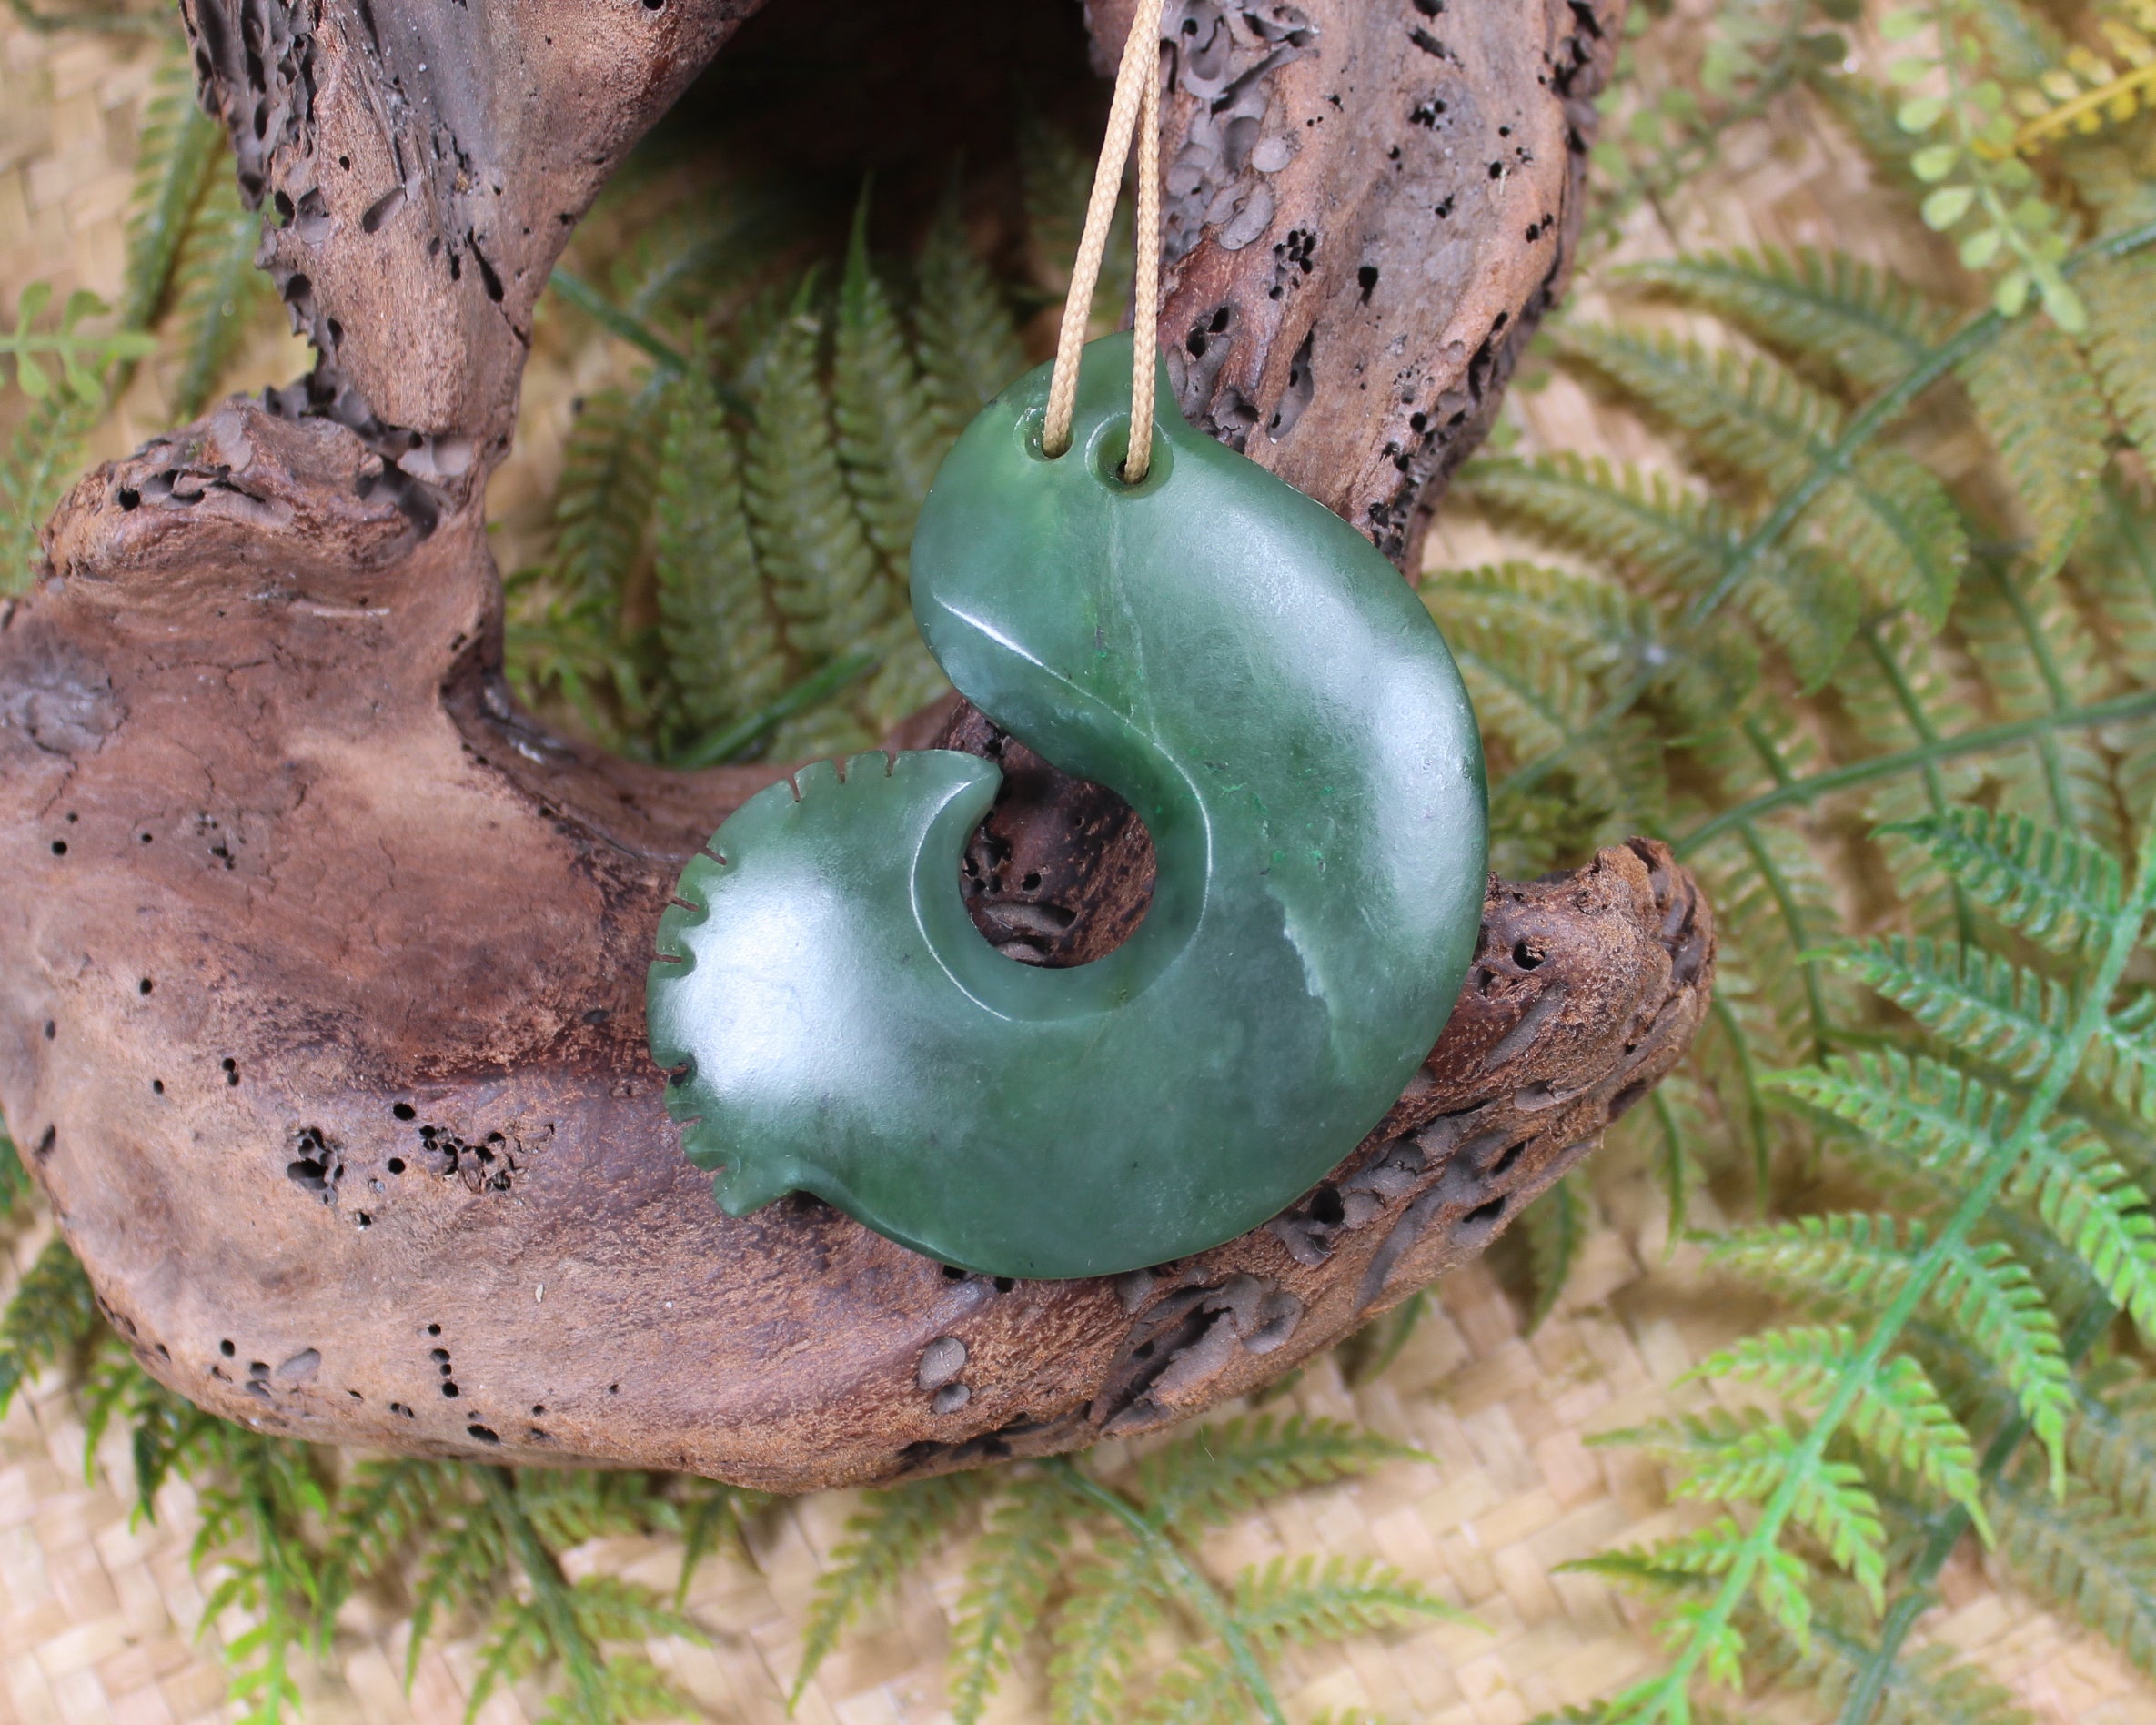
x: 100, y: 1618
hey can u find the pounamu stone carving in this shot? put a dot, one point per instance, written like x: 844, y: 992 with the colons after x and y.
x: 321, y: 967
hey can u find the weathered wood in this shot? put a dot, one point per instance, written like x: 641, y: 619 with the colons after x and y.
x: 321, y: 980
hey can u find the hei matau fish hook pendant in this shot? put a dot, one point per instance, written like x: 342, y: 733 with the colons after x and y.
x: 1277, y: 706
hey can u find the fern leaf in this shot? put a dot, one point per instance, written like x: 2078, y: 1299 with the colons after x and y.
x: 1980, y: 1005
x: 724, y: 659
x: 1783, y: 1584
x: 603, y: 500
x: 1015, y: 1564
x: 1899, y: 1415
x: 220, y: 292
x: 1805, y: 604
x: 2036, y: 401
x: 2121, y: 1061
x: 1864, y: 325
x: 385, y: 1508
x: 466, y: 1560
x: 963, y: 333
x: 2122, y: 351
x: 889, y: 437
x: 1724, y: 1459
x: 1200, y: 1689
x: 1927, y: 1686
x: 823, y: 572
x: 1297, y: 1600
x: 1756, y: 421
x: 51, y: 1315
x: 39, y: 468
x: 1983, y: 1293
x: 1097, y: 1634
x: 2092, y: 1209
x: 2047, y: 884
x: 15, y: 1182
x: 1218, y: 1472
x: 1942, y: 1121
x: 1055, y: 178
x: 2111, y: 1444
x: 1555, y: 1224
x: 2086, y: 1561
x: 890, y: 1535
x: 180, y: 148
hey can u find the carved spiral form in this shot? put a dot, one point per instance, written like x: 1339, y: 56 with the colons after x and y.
x: 1273, y: 701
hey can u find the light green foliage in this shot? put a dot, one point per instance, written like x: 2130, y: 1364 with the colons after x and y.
x: 1990, y: 1162
x: 51, y: 1316
x: 964, y: 329
x: 221, y: 295
x: 81, y: 355
x: 720, y: 635
x: 1134, y: 1565
x: 1761, y: 425
x: 1555, y: 1225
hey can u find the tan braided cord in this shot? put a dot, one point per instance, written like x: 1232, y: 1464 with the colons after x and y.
x: 1136, y: 105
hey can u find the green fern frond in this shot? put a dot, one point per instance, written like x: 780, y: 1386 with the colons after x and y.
x: 2087, y: 1560
x: 1899, y: 1415
x: 1055, y: 178
x: 1926, y: 1687
x: 38, y: 468
x: 890, y: 436
x: 524, y: 1640
x: 1297, y: 1600
x: 466, y: 1558
x: 14, y: 1185
x: 2096, y: 1212
x: 179, y: 148
x: 51, y: 1315
x: 1678, y: 544
x: 2111, y: 1443
x: 963, y: 333
x: 1983, y: 1294
x: 891, y: 1534
x: 2039, y: 406
x: 719, y: 633
x: 825, y: 574
x: 2041, y: 881
x: 611, y: 462
x: 220, y: 293
x: 1865, y: 326
x: 1218, y: 1472
x: 1725, y: 1458
x: 1983, y: 1005
x: 2122, y: 1062
x: 1113, y: 1597
x: 1942, y: 1121
x: 568, y: 1505
x: 1686, y: 1563
x: 1555, y: 1224
x: 1753, y: 419
x: 708, y: 1516
x: 2120, y: 348
x: 1015, y: 1564
x: 384, y: 1510
x: 1200, y: 1689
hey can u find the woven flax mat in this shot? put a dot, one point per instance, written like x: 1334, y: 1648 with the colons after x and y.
x: 100, y: 1618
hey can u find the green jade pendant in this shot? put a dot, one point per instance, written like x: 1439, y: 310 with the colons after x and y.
x: 1277, y: 706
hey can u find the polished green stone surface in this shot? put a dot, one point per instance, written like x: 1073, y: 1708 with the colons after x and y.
x: 1278, y: 707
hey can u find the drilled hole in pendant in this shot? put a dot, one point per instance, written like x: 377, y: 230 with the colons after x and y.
x: 1105, y: 451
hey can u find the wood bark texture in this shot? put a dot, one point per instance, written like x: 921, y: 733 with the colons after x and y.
x: 321, y: 980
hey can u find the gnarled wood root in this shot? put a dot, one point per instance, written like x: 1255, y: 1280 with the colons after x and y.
x: 321, y: 975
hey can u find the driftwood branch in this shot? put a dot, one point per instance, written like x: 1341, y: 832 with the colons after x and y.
x: 321, y: 980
